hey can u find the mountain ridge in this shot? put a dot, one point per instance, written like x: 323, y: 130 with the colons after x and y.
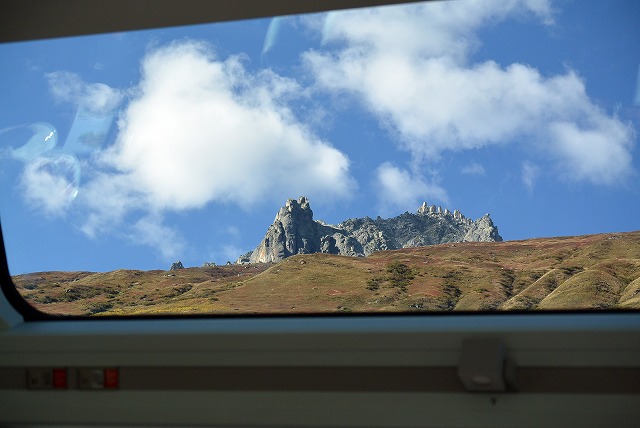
x: 586, y: 272
x: 294, y: 231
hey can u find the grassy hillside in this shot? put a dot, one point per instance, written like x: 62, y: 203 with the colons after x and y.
x: 584, y: 272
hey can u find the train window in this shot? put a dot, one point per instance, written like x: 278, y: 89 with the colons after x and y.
x: 428, y: 157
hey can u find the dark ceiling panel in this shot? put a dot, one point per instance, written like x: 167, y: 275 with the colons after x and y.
x: 38, y: 19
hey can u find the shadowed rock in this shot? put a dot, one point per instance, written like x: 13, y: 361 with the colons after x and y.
x: 177, y: 265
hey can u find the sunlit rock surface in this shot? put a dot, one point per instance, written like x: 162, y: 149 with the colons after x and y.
x: 294, y: 231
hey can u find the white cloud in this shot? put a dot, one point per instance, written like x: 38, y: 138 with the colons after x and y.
x: 410, y: 66
x: 600, y: 153
x: 399, y: 188
x: 95, y: 98
x: 151, y: 231
x: 114, y: 207
x: 530, y: 173
x: 473, y: 169
x: 108, y: 198
x: 203, y: 130
x: 426, y: 30
x: 50, y: 184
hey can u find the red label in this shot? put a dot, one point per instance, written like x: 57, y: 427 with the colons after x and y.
x: 60, y: 378
x: 111, y: 378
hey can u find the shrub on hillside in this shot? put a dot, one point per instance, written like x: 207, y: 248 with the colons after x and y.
x: 399, y: 274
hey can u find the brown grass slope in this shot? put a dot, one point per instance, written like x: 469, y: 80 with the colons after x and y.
x: 583, y: 272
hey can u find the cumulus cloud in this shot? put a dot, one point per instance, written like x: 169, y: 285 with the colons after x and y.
x: 151, y: 231
x: 600, y: 153
x: 425, y: 30
x: 95, y: 98
x: 401, y: 188
x: 411, y: 67
x: 108, y: 198
x: 50, y: 183
x: 203, y: 130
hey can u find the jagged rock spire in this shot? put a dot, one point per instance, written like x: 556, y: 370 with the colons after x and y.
x: 294, y: 231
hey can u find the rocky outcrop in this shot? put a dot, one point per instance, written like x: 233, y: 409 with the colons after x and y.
x: 294, y: 231
x: 482, y: 230
x: 177, y: 265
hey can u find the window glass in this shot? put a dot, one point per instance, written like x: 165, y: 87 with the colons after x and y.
x: 426, y: 157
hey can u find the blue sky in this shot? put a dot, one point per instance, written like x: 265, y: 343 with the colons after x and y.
x: 133, y: 150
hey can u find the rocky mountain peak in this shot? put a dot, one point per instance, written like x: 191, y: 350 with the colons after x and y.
x: 295, y: 208
x: 294, y: 231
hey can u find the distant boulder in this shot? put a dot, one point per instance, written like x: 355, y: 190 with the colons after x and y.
x: 177, y: 265
x: 245, y: 258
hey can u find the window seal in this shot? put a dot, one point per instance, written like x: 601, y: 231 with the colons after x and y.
x: 11, y: 293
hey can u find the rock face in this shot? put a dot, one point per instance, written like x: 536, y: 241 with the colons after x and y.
x: 294, y: 231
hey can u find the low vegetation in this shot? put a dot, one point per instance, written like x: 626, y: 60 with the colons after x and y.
x: 584, y: 272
